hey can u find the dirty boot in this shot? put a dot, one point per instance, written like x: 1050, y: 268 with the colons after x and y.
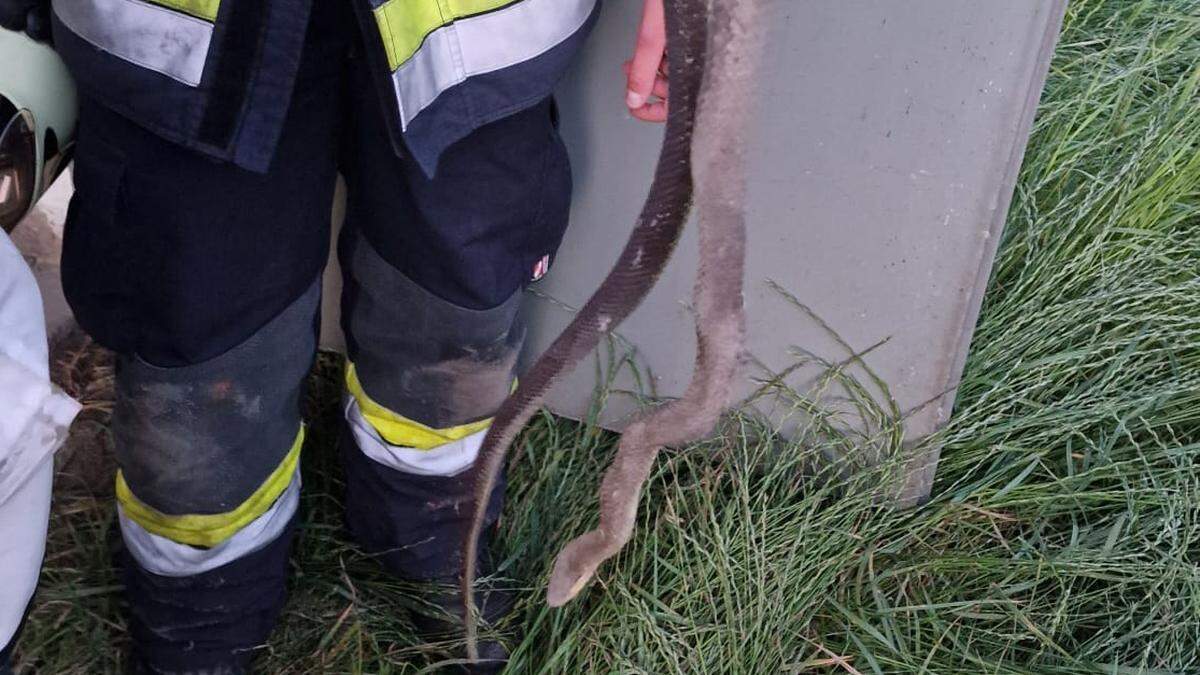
x: 414, y: 525
x: 441, y: 620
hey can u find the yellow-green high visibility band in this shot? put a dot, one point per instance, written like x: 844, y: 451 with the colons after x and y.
x: 404, y: 24
x: 397, y: 429
x: 212, y: 529
x: 203, y: 9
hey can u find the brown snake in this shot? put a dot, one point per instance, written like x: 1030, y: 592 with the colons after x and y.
x: 713, y: 57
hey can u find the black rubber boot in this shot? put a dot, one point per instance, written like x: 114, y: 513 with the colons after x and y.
x: 212, y: 623
x: 443, y: 622
x: 5, y: 662
x: 414, y: 526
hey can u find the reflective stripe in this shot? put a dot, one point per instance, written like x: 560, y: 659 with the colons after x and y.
x: 399, y: 430
x: 153, y: 37
x: 482, y: 44
x: 447, y: 459
x: 404, y: 24
x: 160, y: 555
x: 212, y: 529
x: 204, y: 9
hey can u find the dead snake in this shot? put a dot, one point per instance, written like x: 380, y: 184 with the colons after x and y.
x: 713, y: 52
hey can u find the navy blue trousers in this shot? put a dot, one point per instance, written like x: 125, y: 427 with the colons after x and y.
x: 204, y: 278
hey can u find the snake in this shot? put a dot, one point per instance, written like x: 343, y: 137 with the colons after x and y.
x: 712, y: 48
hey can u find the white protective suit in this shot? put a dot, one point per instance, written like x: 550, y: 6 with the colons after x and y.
x: 34, y: 417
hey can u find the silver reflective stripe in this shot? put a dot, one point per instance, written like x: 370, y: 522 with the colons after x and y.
x: 444, y: 460
x: 483, y: 44
x: 168, y: 558
x: 150, y: 36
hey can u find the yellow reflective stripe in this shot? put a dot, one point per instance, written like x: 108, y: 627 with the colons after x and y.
x: 404, y: 24
x: 212, y: 529
x: 397, y: 429
x: 204, y: 9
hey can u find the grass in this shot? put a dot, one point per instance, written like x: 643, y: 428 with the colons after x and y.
x: 1064, y: 531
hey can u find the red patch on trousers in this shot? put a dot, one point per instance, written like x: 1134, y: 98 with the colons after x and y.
x: 541, y: 267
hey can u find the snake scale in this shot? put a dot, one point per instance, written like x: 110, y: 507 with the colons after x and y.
x: 713, y: 57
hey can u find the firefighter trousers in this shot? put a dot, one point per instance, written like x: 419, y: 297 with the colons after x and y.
x: 205, y: 279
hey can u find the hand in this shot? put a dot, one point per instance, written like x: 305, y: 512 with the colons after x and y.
x: 647, y: 89
x: 30, y: 16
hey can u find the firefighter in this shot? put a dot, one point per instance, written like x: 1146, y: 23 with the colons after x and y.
x: 210, y: 134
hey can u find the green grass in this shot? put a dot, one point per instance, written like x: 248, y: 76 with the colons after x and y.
x: 1064, y: 532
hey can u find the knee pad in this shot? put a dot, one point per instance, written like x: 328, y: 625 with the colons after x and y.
x: 209, y: 453
x: 424, y: 378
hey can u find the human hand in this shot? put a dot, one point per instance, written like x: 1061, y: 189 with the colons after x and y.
x: 647, y: 87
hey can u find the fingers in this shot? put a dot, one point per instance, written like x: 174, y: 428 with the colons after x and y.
x: 643, y: 72
x: 654, y: 109
x: 662, y: 86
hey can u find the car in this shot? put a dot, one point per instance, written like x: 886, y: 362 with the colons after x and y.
x: 37, y: 123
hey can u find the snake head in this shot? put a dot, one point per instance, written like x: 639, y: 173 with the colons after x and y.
x: 574, y: 568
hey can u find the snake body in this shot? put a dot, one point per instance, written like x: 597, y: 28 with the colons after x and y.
x: 711, y: 64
